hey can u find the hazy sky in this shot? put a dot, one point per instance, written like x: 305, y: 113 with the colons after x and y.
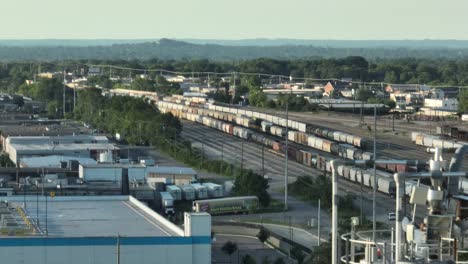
x: 236, y: 19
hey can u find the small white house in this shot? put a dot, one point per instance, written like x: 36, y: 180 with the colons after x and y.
x: 442, y: 104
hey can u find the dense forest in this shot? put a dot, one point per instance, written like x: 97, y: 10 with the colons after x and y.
x: 171, y: 49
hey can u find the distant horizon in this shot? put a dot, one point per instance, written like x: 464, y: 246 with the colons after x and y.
x: 235, y: 39
x: 235, y: 20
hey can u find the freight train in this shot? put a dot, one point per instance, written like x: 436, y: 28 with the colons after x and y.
x: 217, y: 120
x: 385, y: 182
x: 453, y: 132
x: 247, y: 118
x: 433, y: 141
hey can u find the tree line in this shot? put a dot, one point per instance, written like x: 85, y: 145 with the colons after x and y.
x: 175, y: 50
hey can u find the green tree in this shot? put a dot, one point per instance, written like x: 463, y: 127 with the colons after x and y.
x: 247, y: 259
x: 229, y: 248
x: 364, y: 94
x: 463, y: 102
x: 265, y: 260
x: 297, y: 254
x: 143, y: 84
x: 53, y: 109
x: 321, y: 254
x: 18, y: 99
x: 249, y: 183
x: 279, y: 260
x: 263, y: 234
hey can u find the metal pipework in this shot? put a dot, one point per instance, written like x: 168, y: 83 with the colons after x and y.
x: 455, y: 165
x: 400, y: 192
x: 334, y: 169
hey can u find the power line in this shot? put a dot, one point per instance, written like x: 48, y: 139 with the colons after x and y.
x: 237, y: 73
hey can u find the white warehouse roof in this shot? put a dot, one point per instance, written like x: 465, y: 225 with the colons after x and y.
x: 171, y: 170
x: 53, y: 161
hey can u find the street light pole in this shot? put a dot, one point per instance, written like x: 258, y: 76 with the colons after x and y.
x: 375, y: 176
x: 286, y: 160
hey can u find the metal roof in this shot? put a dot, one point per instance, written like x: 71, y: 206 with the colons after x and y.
x: 53, y: 161
x: 171, y: 170
x: 91, y: 216
x: 59, y: 147
x: 113, y: 165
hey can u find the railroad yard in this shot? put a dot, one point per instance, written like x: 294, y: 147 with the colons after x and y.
x: 257, y: 144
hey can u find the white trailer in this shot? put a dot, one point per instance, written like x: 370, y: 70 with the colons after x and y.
x: 201, y: 192
x: 214, y: 190
x: 175, y: 191
x: 188, y: 192
x: 167, y: 202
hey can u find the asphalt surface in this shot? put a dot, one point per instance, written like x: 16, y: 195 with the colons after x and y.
x: 246, y: 246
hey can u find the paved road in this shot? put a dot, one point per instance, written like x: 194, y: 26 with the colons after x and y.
x: 246, y: 245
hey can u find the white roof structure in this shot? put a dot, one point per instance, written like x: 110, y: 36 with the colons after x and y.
x: 53, y: 161
x: 88, y: 216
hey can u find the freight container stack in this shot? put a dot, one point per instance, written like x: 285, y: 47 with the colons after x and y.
x: 214, y: 190
x: 175, y: 191
x: 188, y: 192
x: 201, y: 192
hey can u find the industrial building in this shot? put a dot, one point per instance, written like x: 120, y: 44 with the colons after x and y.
x: 98, y: 229
x: 54, y: 161
x: 17, y: 151
x: 171, y: 175
x: 112, y: 172
x: 87, y: 146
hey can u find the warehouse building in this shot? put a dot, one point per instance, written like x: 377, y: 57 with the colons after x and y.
x: 64, y: 139
x: 98, y: 229
x: 16, y: 151
x: 171, y: 175
x: 112, y: 172
x: 83, y: 146
x: 55, y: 161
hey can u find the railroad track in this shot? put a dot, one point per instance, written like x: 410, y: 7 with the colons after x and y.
x: 216, y: 141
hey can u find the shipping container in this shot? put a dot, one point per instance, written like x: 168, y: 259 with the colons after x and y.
x: 175, y: 192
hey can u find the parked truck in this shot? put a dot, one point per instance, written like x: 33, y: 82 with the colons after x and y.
x: 167, y: 203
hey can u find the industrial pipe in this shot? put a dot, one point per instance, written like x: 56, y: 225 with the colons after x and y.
x: 455, y: 165
x: 334, y: 169
x: 400, y: 192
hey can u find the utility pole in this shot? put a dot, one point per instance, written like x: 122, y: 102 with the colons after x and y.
x: 64, y: 84
x: 374, y: 189
x: 318, y: 224
x: 37, y: 209
x: 242, y: 158
x: 286, y: 160
x: 233, y: 87
x: 118, y: 249
x: 46, y: 228
x: 222, y: 151
x: 263, y: 161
